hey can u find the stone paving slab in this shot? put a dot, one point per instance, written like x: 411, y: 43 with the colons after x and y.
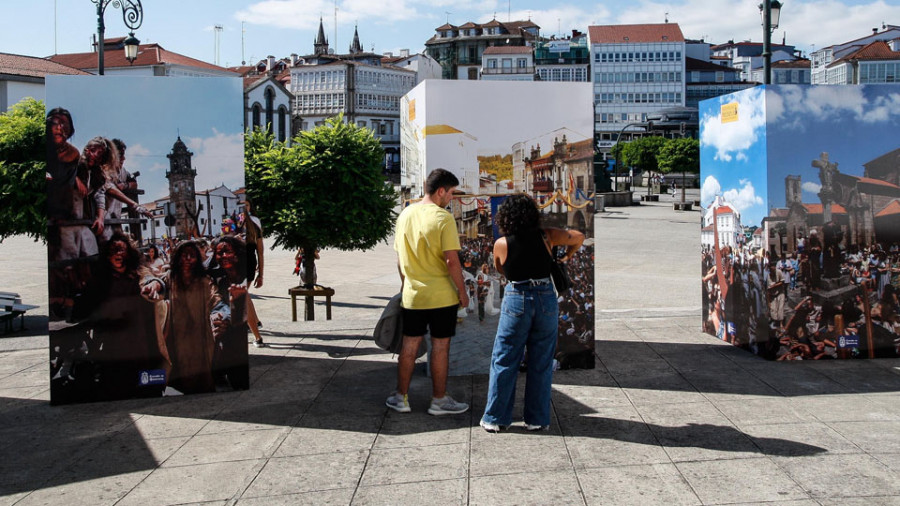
x: 669, y: 416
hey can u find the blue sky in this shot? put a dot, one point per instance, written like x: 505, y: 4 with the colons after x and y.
x: 781, y: 130
x: 733, y: 154
x: 282, y: 27
x: 205, y: 111
x: 853, y: 124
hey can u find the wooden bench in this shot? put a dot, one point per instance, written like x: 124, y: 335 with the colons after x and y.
x: 10, y: 307
x: 309, y: 312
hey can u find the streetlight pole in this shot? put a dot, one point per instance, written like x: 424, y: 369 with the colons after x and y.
x: 132, y: 16
x: 771, y: 12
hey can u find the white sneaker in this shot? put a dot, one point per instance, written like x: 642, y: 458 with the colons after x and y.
x: 534, y: 428
x: 447, y: 406
x: 398, y: 402
x: 489, y: 427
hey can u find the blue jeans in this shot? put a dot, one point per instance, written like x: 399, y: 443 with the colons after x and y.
x: 529, y: 319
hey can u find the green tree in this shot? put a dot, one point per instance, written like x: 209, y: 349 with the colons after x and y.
x: 23, y: 166
x: 326, y: 190
x: 639, y: 153
x: 500, y: 166
x: 680, y: 155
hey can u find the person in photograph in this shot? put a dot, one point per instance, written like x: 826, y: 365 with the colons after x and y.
x: 191, y: 300
x: 117, y: 182
x: 99, y: 159
x: 427, y: 245
x: 123, y: 343
x: 254, y: 242
x: 155, y: 262
x: 529, y: 313
x: 228, y: 270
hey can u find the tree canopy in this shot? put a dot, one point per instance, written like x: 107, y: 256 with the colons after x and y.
x: 639, y: 153
x: 326, y: 190
x: 23, y: 162
x: 680, y: 155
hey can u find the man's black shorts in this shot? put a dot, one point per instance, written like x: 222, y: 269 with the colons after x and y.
x: 441, y: 321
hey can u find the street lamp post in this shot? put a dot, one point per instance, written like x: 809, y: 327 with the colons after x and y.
x: 132, y: 16
x: 770, y: 10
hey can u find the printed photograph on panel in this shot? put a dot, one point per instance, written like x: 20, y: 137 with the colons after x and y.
x: 498, y: 142
x: 828, y: 241
x: 146, y: 237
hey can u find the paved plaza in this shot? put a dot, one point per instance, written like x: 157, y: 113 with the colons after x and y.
x: 669, y: 415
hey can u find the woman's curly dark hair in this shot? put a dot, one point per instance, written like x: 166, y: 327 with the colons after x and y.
x: 518, y: 213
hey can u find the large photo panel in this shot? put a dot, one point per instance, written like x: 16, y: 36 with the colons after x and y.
x: 503, y: 138
x: 815, y: 276
x: 147, y: 262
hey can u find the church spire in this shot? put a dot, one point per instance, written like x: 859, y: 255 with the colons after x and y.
x: 356, y: 47
x: 321, y: 44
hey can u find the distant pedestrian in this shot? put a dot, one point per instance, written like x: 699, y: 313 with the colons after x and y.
x: 427, y: 245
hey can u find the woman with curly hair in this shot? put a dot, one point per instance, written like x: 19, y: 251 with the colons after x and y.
x: 529, y: 313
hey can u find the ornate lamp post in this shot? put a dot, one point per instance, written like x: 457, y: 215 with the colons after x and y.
x: 770, y: 10
x: 132, y: 16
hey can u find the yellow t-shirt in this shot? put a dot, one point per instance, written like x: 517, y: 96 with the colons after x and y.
x: 423, y: 233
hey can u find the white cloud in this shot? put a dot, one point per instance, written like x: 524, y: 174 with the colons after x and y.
x: 732, y: 139
x: 811, y: 187
x: 218, y: 159
x: 305, y: 14
x: 744, y: 197
x: 709, y: 190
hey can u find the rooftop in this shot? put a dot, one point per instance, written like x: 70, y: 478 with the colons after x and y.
x: 148, y: 54
x: 31, y: 66
x: 611, y: 34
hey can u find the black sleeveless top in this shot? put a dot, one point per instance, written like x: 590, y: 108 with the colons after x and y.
x: 526, y: 256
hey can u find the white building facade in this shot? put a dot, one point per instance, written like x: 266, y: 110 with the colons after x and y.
x: 832, y: 65
x: 507, y: 63
x: 267, y: 104
x: 637, y: 69
x: 721, y: 218
x: 367, y: 95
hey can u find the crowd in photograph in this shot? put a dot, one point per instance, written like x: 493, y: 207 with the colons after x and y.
x: 170, y: 319
x: 822, y: 300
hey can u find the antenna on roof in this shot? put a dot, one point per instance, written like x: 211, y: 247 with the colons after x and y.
x: 448, y: 16
x: 508, y: 11
x: 667, y: 18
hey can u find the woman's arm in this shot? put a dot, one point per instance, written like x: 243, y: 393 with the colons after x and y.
x: 500, y: 255
x: 571, y: 239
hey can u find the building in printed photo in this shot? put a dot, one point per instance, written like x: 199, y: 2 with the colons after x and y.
x: 720, y: 220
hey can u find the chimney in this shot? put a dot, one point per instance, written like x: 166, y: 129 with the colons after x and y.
x: 388, y: 54
x: 294, y: 59
x: 874, y: 31
x: 404, y: 53
x: 270, y: 63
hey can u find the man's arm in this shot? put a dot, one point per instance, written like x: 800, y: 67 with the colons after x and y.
x: 452, y: 259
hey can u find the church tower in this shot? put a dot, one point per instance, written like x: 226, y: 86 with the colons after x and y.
x: 792, y: 191
x: 320, y: 46
x: 356, y: 47
x: 181, y: 189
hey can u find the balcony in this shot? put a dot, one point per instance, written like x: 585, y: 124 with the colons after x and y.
x: 507, y: 71
x: 542, y: 186
x: 470, y: 215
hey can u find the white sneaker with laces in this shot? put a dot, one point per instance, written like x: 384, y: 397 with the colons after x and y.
x: 493, y: 428
x: 398, y: 402
x: 534, y: 428
x: 447, y: 406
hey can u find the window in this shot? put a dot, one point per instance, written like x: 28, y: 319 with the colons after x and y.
x: 257, y: 112
x: 492, y: 63
x: 720, y: 76
x: 521, y: 63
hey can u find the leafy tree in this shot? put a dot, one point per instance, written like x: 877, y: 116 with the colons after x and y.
x: 680, y: 155
x: 639, y: 153
x: 23, y: 156
x: 326, y: 190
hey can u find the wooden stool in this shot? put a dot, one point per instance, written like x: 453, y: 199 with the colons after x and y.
x: 309, y: 312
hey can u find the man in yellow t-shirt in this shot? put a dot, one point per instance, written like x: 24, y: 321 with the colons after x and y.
x: 427, y: 245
